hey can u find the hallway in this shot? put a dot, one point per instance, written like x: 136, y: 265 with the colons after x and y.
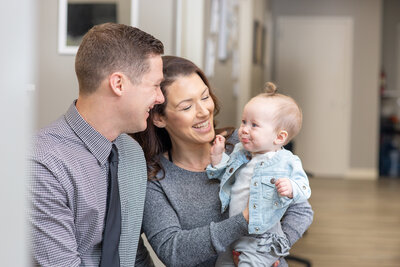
x: 356, y: 223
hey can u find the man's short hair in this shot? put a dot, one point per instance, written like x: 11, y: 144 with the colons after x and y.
x: 111, y: 47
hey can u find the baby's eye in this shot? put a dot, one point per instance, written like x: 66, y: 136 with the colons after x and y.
x: 243, y: 122
x: 254, y: 125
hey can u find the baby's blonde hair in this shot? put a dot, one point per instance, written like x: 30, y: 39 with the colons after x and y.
x: 287, y: 116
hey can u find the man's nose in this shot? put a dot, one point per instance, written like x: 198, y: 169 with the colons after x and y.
x: 160, y: 97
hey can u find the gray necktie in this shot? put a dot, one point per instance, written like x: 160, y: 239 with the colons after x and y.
x: 112, y: 229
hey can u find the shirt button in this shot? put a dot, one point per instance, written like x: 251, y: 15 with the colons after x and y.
x: 272, y: 180
x: 304, y: 187
x: 254, y: 206
x: 255, y: 184
x: 257, y: 229
x: 230, y: 170
x: 276, y: 203
x: 262, y: 163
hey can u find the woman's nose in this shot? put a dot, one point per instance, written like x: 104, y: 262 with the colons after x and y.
x: 203, y: 110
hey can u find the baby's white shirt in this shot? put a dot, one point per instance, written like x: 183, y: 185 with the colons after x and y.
x: 241, y: 188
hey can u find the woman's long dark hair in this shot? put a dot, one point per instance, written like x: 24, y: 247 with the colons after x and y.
x: 154, y: 140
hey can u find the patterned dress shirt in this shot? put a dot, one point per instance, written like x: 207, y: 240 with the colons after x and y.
x: 68, y: 193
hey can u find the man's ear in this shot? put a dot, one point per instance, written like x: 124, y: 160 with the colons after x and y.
x: 159, y: 120
x: 116, y: 82
x: 281, y: 137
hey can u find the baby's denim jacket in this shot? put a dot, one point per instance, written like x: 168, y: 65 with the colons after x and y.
x: 266, y: 207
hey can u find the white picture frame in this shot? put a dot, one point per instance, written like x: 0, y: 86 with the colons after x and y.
x: 124, y: 15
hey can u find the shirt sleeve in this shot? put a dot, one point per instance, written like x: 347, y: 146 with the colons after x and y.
x: 177, y: 247
x: 53, y: 241
x: 299, y: 180
x: 217, y: 170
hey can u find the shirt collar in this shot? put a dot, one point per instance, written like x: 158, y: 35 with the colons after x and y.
x: 265, y: 156
x: 95, y: 142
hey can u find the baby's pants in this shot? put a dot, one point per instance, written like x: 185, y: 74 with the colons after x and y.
x: 257, y: 250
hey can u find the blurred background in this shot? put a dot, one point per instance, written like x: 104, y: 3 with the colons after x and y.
x: 340, y: 59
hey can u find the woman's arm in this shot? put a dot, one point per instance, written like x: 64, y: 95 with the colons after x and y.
x: 177, y: 247
x: 295, y: 222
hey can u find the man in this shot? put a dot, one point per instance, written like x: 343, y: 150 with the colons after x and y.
x: 119, y: 70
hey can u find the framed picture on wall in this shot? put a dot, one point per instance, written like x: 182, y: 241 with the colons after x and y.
x: 259, y: 35
x: 76, y: 17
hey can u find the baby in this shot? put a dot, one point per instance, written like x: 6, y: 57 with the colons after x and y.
x: 260, y: 173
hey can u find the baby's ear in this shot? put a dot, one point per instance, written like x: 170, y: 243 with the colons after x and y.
x: 281, y: 137
x: 159, y: 121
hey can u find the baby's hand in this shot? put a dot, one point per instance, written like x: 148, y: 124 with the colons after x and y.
x: 217, y: 149
x: 284, y: 187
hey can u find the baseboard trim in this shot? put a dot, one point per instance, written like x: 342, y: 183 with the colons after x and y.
x: 362, y: 174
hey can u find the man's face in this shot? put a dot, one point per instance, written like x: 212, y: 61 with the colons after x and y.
x: 141, y: 97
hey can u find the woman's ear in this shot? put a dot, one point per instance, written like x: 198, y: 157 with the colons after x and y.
x: 116, y: 83
x: 159, y: 121
x: 281, y: 137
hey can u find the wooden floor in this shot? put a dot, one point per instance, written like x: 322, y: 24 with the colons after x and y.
x: 356, y: 223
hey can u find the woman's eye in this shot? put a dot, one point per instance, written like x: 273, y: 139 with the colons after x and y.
x: 186, y: 108
x: 206, y: 97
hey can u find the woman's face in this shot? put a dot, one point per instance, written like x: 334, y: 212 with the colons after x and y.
x: 189, y: 111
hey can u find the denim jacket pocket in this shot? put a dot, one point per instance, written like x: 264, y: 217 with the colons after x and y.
x: 268, y: 187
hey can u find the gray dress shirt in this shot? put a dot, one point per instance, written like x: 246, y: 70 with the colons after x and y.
x: 68, y: 193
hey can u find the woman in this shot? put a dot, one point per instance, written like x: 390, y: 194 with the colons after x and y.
x: 182, y: 218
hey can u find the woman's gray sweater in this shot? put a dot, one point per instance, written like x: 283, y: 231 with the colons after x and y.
x: 184, y: 225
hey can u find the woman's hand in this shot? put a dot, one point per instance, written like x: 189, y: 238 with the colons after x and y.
x: 246, y: 213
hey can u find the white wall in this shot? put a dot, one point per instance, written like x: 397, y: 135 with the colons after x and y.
x: 366, y: 64
x: 58, y: 86
x: 17, y: 50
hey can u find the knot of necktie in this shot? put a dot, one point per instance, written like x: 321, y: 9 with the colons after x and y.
x: 113, y: 158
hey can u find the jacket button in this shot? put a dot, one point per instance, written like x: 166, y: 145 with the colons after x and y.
x: 276, y: 203
x: 272, y: 180
x: 255, y: 184
x: 230, y: 170
x: 254, y: 206
x: 257, y: 229
x: 262, y: 163
x: 304, y: 187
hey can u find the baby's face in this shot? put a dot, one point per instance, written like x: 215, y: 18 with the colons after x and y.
x: 257, y: 132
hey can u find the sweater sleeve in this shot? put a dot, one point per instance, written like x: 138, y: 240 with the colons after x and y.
x: 296, y: 220
x: 177, y: 247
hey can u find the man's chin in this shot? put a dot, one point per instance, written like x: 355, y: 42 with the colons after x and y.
x: 139, y: 128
